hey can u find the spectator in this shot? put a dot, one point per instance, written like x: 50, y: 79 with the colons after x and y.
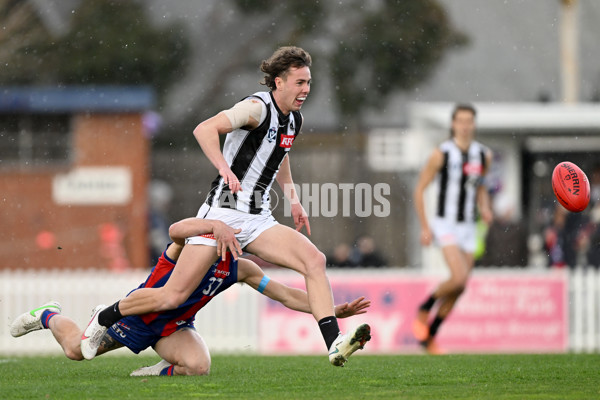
x: 341, y: 256
x: 554, y: 241
x: 506, y: 240
x: 593, y: 241
x: 160, y: 195
x: 366, y: 254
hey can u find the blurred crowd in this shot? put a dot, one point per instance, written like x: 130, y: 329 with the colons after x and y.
x: 573, y: 239
x: 363, y: 253
x: 504, y: 242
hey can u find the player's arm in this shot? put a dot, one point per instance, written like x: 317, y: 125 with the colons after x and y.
x: 224, y: 234
x: 174, y: 251
x: 483, y: 195
x: 431, y: 168
x: 247, y: 114
x: 286, y: 183
x: 292, y: 298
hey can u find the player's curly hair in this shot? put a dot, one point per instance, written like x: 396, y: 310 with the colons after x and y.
x: 281, y: 61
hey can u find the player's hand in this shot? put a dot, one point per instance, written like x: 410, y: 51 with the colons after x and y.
x: 357, y: 306
x: 300, y: 217
x: 226, y: 240
x: 426, y: 236
x: 230, y: 179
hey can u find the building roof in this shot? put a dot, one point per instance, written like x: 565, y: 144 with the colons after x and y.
x: 76, y: 99
x: 510, y: 117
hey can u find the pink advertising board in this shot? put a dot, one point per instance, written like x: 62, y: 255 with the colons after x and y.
x: 499, y: 312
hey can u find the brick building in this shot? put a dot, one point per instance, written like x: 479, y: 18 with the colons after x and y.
x: 73, y: 177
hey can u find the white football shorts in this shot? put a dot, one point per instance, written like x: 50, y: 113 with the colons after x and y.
x: 252, y: 225
x: 461, y: 234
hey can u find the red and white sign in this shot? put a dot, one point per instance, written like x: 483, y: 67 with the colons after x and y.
x: 497, y: 313
x: 286, y: 141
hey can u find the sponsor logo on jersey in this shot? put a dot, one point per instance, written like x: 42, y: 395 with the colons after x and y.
x: 472, y: 169
x: 221, y: 273
x: 119, y: 331
x: 122, y: 325
x: 286, y: 141
x: 180, y: 322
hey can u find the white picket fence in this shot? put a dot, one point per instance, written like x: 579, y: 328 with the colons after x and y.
x: 584, y: 310
x: 230, y: 324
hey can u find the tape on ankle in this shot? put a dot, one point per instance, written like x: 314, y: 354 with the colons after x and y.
x: 263, y: 283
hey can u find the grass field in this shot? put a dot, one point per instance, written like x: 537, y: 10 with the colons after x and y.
x: 564, y: 376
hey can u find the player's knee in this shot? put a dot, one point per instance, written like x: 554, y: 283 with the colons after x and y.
x: 459, y: 284
x: 201, y: 368
x: 460, y: 289
x: 315, y: 263
x: 73, y: 354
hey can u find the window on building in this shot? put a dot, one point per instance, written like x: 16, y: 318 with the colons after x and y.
x: 34, y: 139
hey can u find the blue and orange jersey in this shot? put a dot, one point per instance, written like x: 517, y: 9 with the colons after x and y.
x: 220, y: 276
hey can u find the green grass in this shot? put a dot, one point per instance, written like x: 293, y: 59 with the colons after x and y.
x: 551, y: 376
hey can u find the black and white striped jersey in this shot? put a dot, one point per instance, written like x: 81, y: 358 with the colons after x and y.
x: 458, y: 179
x: 255, y: 157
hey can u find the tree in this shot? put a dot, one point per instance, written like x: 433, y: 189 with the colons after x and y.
x: 390, y: 48
x: 109, y: 42
x: 369, y: 50
x: 20, y: 30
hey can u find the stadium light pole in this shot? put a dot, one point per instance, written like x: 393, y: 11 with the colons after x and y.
x: 569, y: 65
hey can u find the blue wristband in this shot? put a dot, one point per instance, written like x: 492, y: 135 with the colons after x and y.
x: 263, y: 283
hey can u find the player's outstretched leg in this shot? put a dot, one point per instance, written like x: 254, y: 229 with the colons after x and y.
x: 161, y: 368
x: 35, y: 319
x: 345, y: 345
x: 92, y: 336
x: 420, y: 328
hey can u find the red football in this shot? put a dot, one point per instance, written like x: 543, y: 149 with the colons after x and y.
x: 571, y: 186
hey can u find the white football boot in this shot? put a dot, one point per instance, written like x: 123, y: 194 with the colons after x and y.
x: 32, y: 320
x: 93, y: 334
x: 345, y: 345
x: 153, y: 370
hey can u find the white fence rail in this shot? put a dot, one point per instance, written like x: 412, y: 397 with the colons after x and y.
x: 231, y: 322
x: 584, y: 310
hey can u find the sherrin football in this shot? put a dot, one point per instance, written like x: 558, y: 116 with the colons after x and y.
x: 571, y: 186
